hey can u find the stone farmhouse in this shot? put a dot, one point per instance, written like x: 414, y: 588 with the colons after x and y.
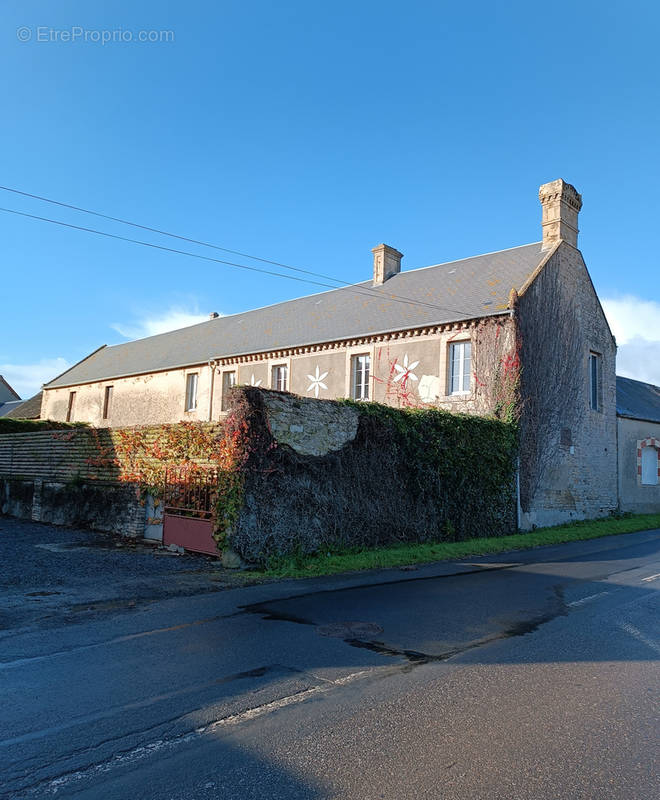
x: 519, y: 328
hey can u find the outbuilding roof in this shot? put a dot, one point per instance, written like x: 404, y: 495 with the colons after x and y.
x: 458, y: 290
x: 26, y: 409
x: 637, y: 400
x: 9, y: 406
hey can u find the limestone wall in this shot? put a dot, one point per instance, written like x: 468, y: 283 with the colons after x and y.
x: 568, y: 450
x: 407, y: 370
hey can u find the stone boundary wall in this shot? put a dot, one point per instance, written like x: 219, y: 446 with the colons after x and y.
x: 325, y: 475
x: 102, y: 507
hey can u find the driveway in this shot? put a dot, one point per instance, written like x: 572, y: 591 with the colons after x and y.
x: 51, y: 575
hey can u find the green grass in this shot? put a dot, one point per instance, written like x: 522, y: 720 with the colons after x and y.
x: 406, y: 554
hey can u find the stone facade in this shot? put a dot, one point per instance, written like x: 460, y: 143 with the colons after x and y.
x: 568, y: 449
x: 113, y: 509
x: 634, y: 495
x: 319, y: 371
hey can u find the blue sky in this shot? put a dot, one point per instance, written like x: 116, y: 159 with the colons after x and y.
x: 307, y: 133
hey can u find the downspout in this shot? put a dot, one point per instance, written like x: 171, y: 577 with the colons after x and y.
x: 212, y: 366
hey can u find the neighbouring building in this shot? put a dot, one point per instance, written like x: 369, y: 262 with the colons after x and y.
x: 26, y: 409
x: 9, y: 399
x: 515, y: 329
x: 638, y: 422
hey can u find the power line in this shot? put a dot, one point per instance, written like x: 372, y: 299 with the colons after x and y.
x: 366, y: 289
x: 349, y: 288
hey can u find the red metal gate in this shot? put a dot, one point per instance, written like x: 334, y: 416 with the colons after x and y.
x: 189, y: 509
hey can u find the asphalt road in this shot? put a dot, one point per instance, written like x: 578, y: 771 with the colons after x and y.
x: 530, y: 675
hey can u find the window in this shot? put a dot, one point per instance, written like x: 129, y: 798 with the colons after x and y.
x: 650, y: 466
x: 107, y: 401
x: 460, y: 367
x: 595, y: 378
x: 72, y: 407
x: 191, y: 391
x: 360, y: 369
x: 228, y: 380
x: 280, y: 377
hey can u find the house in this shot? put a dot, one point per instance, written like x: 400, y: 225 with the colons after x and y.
x: 520, y: 328
x: 9, y: 399
x: 638, y: 423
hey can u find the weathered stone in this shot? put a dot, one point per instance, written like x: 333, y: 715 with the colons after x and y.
x: 308, y: 426
x: 231, y: 559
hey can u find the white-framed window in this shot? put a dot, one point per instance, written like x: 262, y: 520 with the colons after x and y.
x: 280, y: 377
x: 595, y: 381
x: 649, y: 466
x: 192, y: 379
x: 360, y: 374
x: 228, y: 380
x: 460, y: 367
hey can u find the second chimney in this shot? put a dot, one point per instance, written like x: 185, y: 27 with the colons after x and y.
x: 561, y: 205
x: 387, y: 262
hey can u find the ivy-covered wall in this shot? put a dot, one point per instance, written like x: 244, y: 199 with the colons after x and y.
x: 386, y: 475
x: 295, y: 474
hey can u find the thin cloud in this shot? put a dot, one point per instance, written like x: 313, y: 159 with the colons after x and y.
x: 171, y: 319
x: 27, y: 379
x: 636, y: 325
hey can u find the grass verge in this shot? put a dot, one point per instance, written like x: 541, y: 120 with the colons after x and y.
x: 407, y: 554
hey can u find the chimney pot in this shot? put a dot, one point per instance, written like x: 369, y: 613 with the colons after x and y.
x: 561, y: 205
x: 387, y: 262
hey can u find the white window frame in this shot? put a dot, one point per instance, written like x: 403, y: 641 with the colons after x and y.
x: 595, y: 381
x: 462, y: 390
x: 649, y: 466
x: 192, y: 386
x: 276, y: 381
x: 361, y: 368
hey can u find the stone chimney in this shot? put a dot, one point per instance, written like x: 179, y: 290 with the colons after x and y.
x: 387, y: 262
x: 561, y: 205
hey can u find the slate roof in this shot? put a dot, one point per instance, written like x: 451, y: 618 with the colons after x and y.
x: 25, y: 409
x: 637, y: 400
x: 466, y: 289
x: 9, y: 406
x: 7, y: 394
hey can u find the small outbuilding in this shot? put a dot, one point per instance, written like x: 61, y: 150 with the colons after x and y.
x: 638, y: 427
